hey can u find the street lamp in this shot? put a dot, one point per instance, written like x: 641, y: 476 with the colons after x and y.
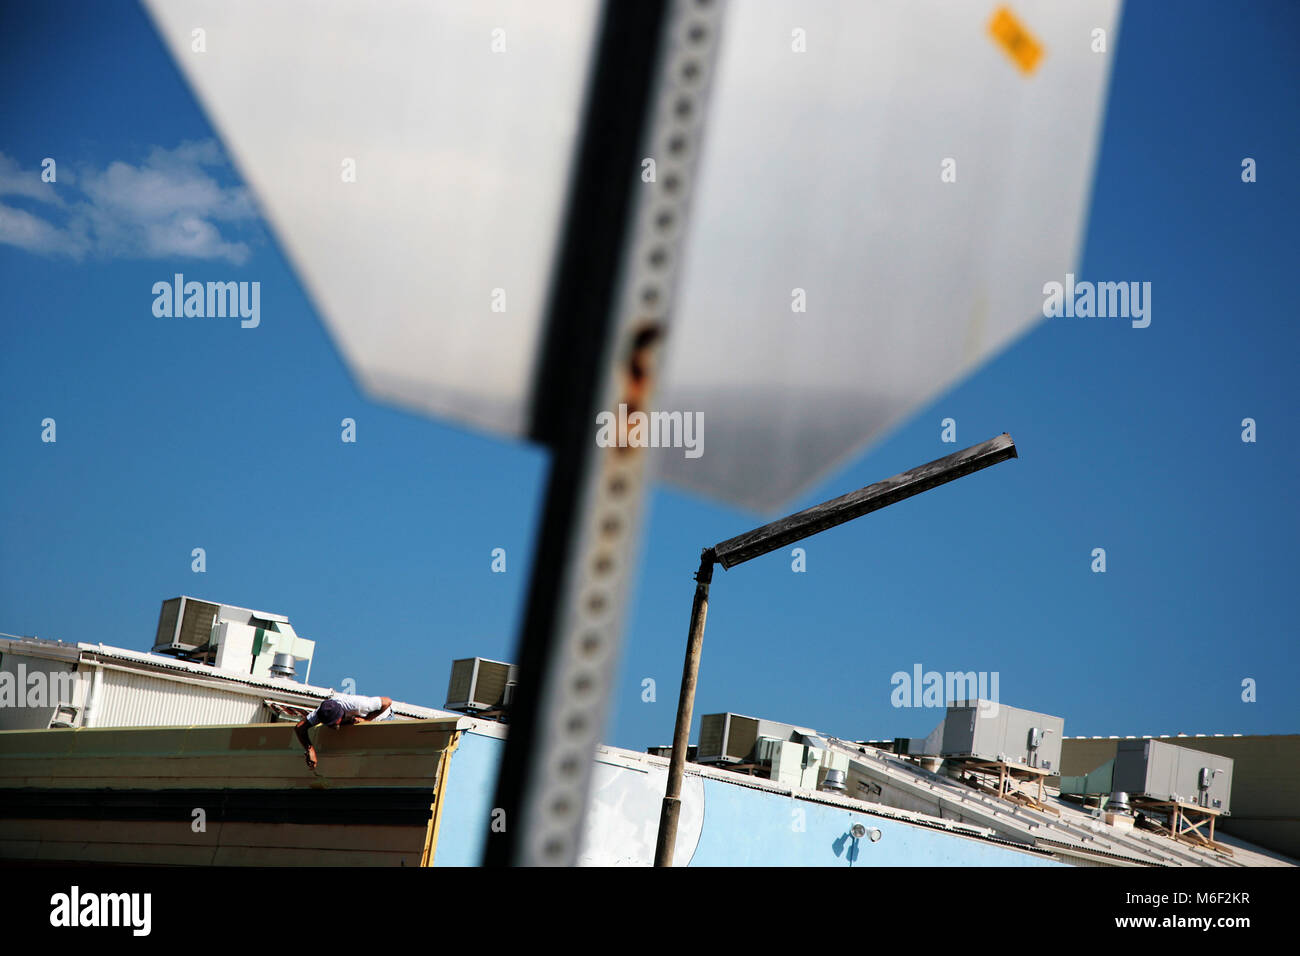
x: 778, y: 534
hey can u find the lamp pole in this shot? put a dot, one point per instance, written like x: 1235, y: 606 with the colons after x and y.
x: 685, y: 704
x: 778, y: 534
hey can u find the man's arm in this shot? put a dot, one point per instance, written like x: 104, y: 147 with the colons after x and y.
x: 302, y: 729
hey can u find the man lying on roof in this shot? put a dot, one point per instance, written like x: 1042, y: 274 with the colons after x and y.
x: 338, y: 710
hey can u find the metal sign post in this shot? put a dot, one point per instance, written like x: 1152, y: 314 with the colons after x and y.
x: 607, y: 320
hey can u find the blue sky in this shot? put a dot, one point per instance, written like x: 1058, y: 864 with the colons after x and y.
x: 174, y: 435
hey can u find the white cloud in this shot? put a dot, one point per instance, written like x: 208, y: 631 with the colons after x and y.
x: 170, y: 205
x: 20, y: 228
x: 16, y: 181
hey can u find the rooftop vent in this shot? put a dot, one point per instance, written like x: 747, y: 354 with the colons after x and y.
x: 834, y: 782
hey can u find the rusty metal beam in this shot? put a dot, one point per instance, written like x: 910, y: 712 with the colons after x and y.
x: 855, y: 504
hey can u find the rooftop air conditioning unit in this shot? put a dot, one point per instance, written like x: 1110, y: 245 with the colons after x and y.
x: 727, y: 738
x: 478, y: 685
x: 184, y: 625
x: 985, y: 730
x: 734, y: 738
x: 1161, y: 771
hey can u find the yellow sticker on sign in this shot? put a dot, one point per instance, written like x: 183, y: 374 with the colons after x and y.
x: 1017, y: 42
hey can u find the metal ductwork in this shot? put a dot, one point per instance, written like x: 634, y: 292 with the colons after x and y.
x: 284, y: 666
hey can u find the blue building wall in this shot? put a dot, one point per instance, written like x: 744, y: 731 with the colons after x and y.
x: 742, y: 826
x: 745, y: 827
x: 467, y: 814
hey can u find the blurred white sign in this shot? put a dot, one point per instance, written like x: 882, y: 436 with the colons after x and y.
x: 412, y: 159
x: 824, y: 171
x: 884, y: 190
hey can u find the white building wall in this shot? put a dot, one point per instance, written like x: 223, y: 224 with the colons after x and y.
x: 143, y: 700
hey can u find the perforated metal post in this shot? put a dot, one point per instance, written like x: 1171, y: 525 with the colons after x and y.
x: 607, y: 321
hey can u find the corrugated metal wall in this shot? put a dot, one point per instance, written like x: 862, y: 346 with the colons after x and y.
x: 143, y: 700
